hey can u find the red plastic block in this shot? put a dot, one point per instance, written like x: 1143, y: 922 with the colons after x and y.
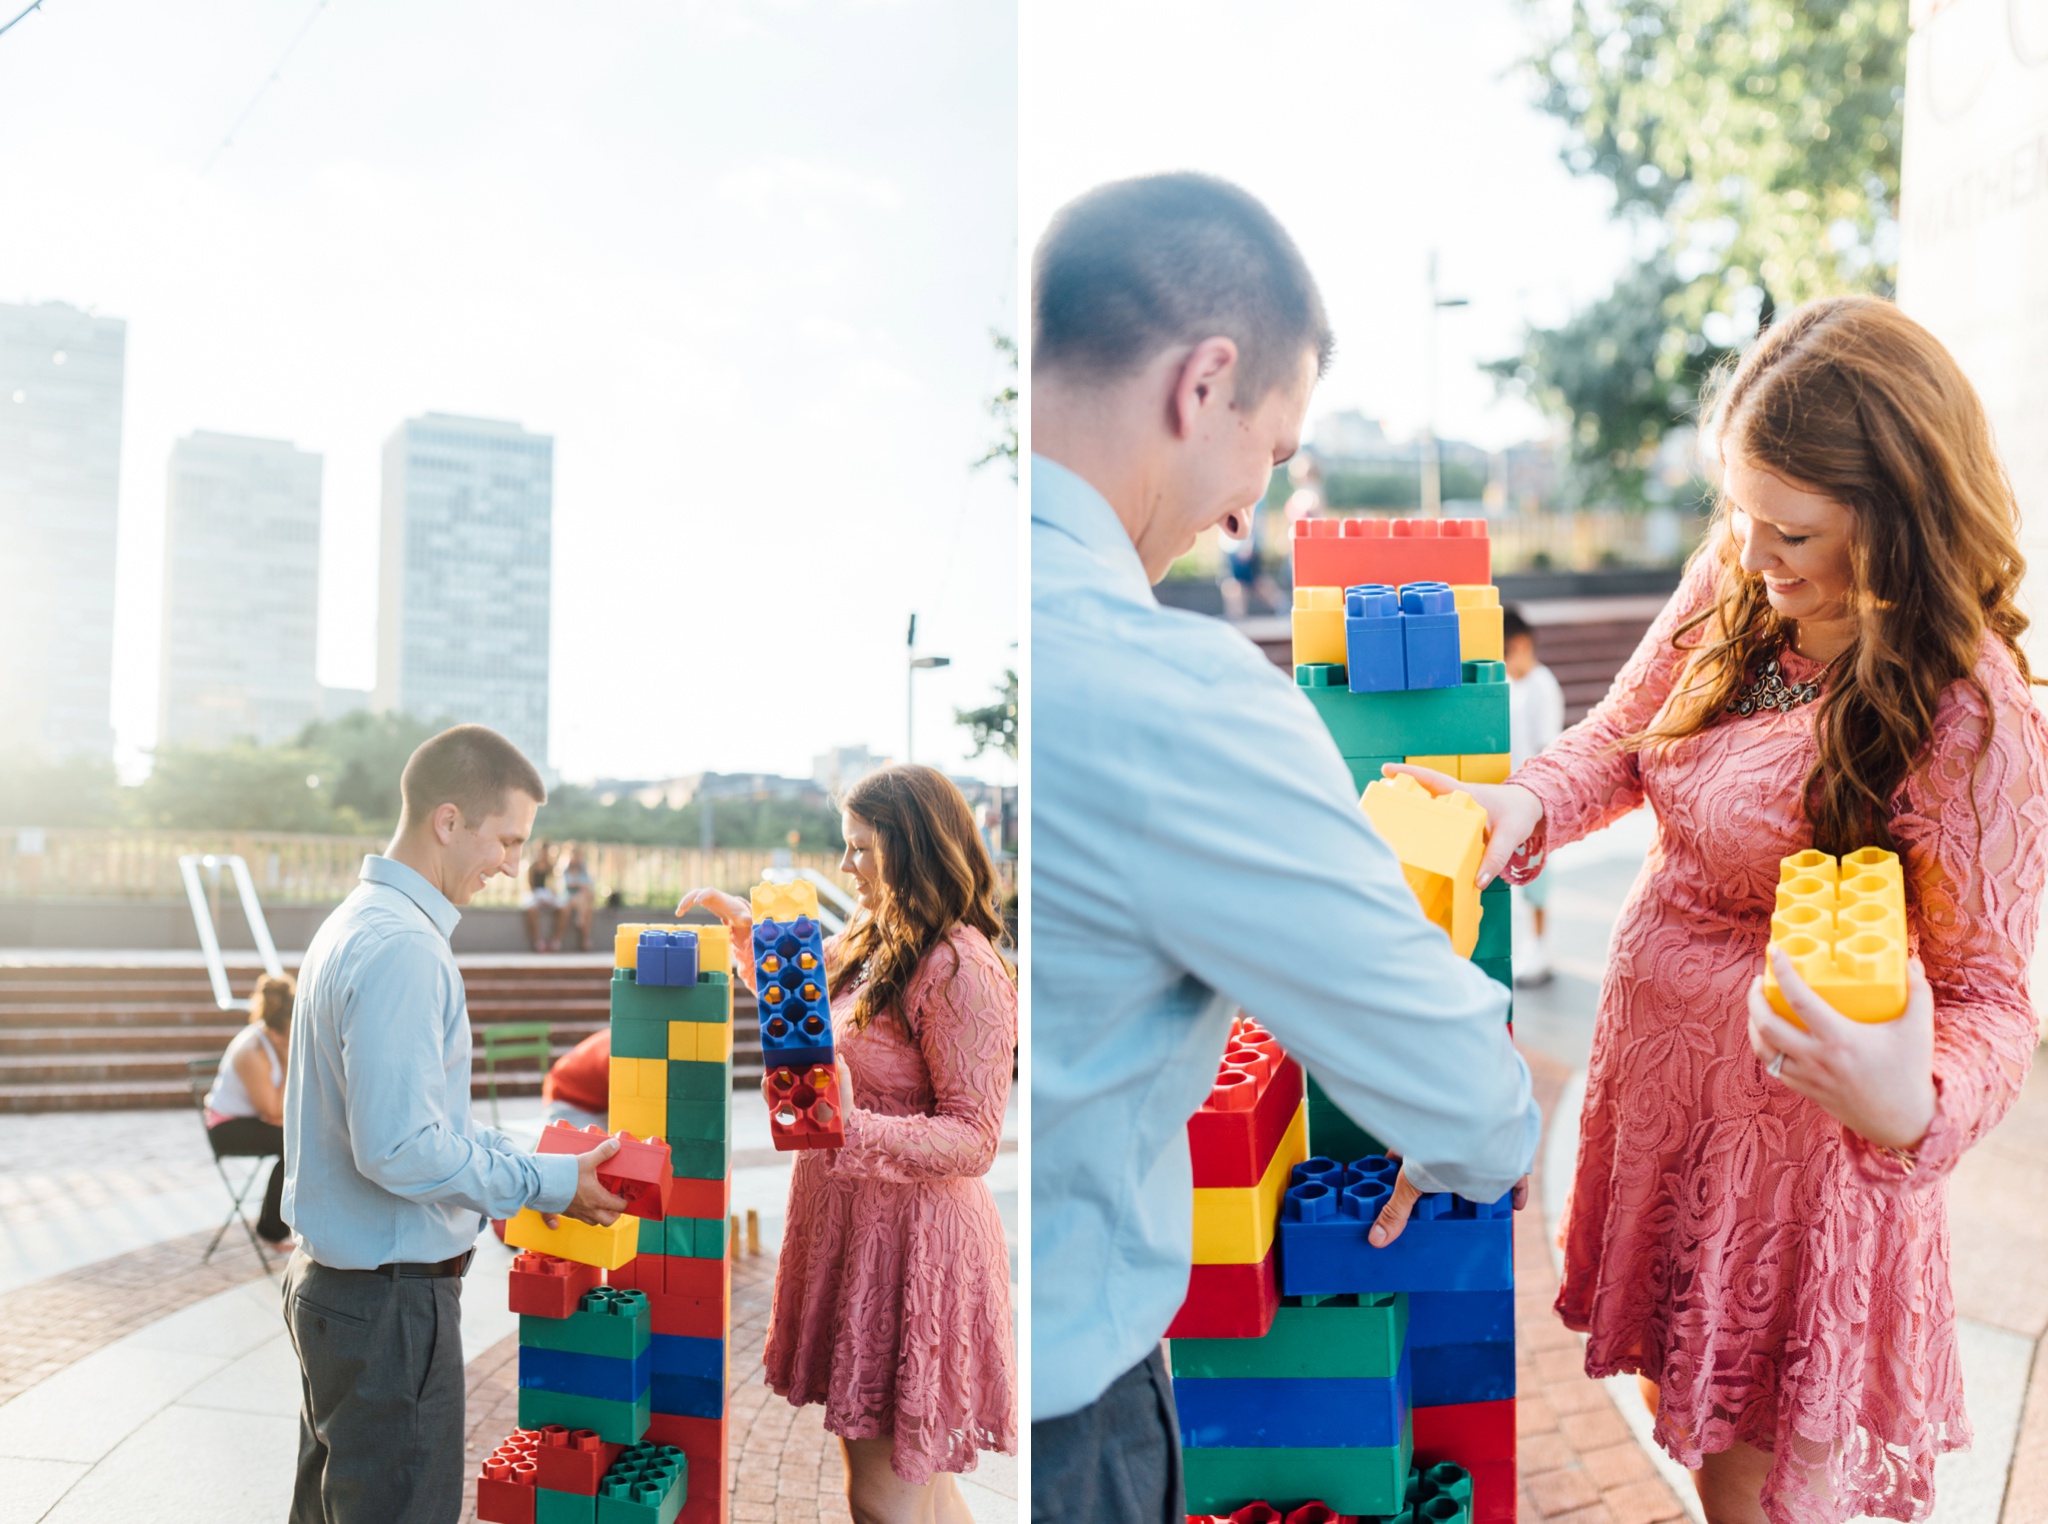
x: 640, y: 1273
x: 700, y: 1198
x: 1266, y: 1513
x: 542, y: 1286
x: 1229, y: 1301
x: 684, y: 1276
x: 572, y: 1460
x: 805, y: 1110
x: 703, y: 1440
x: 693, y: 1317
x: 505, y: 1481
x: 1480, y: 1436
x: 1344, y: 552
x: 1257, y: 1092
x: 638, y: 1171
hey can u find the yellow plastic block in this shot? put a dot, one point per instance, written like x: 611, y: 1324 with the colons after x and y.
x: 1439, y: 841
x: 644, y: 1116
x: 1485, y: 767
x: 607, y: 1248
x: 1234, y: 1225
x: 714, y: 945
x: 1319, y: 625
x: 699, y: 1041
x: 785, y: 902
x: 1843, y: 925
x: 1441, y: 764
x: 1479, y: 621
x: 632, y: 1077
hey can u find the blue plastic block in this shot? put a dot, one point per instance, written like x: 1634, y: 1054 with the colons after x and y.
x: 1450, y: 1244
x: 1446, y: 1374
x: 565, y: 1371
x: 1429, y: 632
x: 689, y: 1396
x: 667, y: 959
x: 1373, y: 648
x: 1460, y: 1317
x: 789, y: 979
x: 1239, y: 1412
x: 681, y: 1355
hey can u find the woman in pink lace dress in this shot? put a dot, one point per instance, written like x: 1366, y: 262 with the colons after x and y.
x: 892, y: 1293
x: 1758, y: 1220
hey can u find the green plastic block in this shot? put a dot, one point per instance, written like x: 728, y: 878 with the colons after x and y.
x: 1496, y: 922
x: 1416, y: 722
x: 653, y: 1238
x: 637, y: 1037
x: 1366, y: 1480
x: 1331, y: 1133
x: 620, y: 1335
x: 646, y: 1485
x: 1443, y: 1480
x: 1365, y: 770
x: 616, y: 1423
x: 695, y: 1237
x: 700, y: 1158
x: 1320, y: 674
x: 699, y: 1121
x: 1361, y: 1335
x: 698, y: 1080
x: 552, y: 1507
x: 1500, y: 970
x: 707, y: 1000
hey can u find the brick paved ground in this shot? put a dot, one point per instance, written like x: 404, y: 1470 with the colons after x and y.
x: 46, y: 1326
x: 1579, y: 1462
x: 783, y: 1466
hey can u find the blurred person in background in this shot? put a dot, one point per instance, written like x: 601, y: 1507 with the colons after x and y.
x: 579, y: 895
x: 892, y: 1294
x: 245, y: 1107
x: 542, y: 905
x: 1535, y: 719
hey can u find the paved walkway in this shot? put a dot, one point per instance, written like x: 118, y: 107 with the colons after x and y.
x: 1574, y: 1465
x: 137, y: 1382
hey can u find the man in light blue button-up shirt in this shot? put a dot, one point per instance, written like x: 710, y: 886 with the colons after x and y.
x: 1196, y: 844
x: 388, y: 1176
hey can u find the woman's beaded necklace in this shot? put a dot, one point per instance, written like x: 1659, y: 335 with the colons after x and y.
x: 1769, y: 690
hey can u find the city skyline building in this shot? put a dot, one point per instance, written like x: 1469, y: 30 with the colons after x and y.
x: 465, y: 571
x: 62, y: 371
x: 241, y: 592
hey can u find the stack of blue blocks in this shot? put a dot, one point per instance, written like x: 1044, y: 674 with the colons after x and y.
x: 1398, y: 640
x: 795, y: 1010
x: 667, y: 958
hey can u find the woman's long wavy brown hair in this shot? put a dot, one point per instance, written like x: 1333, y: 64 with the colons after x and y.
x: 1850, y: 398
x: 934, y: 874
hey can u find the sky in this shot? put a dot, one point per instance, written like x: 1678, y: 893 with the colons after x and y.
x: 1376, y: 130
x: 741, y: 258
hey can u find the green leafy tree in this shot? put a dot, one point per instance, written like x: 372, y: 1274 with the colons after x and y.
x: 575, y: 813
x: 239, y: 787
x: 363, y: 756
x: 80, y: 792
x: 994, y: 725
x: 1755, y: 144
x: 1003, y: 408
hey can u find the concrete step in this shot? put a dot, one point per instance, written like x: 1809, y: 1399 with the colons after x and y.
x: 133, y: 1039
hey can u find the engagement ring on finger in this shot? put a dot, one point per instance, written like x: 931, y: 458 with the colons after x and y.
x: 1776, y: 1066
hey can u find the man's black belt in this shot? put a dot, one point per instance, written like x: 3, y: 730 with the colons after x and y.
x: 407, y: 1268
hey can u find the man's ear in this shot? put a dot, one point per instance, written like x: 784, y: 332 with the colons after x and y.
x: 1205, y: 379
x: 447, y: 820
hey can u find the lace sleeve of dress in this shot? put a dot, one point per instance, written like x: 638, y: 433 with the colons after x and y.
x: 962, y: 1006
x: 1976, y: 901
x: 1583, y: 781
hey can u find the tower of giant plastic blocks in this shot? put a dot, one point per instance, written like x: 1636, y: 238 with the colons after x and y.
x: 622, y: 1385
x: 1334, y: 1380
x: 805, y: 1108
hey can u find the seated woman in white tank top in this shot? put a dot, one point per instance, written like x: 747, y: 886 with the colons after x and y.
x: 245, y: 1107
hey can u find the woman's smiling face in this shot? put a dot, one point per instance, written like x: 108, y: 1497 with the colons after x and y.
x: 1797, y: 540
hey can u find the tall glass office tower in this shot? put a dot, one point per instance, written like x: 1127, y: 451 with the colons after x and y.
x: 60, y: 485
x: 241, y: 592
x: 464, y: 576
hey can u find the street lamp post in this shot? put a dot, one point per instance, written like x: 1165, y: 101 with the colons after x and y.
x: 917, y: 664
x: 1432, y: 459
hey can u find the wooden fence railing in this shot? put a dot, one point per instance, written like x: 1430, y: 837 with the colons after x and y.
x: 301, y: 870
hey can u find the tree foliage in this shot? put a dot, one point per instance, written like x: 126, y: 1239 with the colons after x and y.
x: 1002, y: 407
x: 1755, y: 146
x: 994, y: 725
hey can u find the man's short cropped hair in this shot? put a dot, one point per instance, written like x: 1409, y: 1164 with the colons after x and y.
x: 471, y: 767
x: 1139, y: 266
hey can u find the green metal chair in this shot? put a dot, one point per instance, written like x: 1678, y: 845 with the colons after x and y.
x: 515, y: 1039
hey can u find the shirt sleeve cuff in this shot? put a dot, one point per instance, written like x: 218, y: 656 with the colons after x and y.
x: 557, y: 1181
x: 1422, y: 1179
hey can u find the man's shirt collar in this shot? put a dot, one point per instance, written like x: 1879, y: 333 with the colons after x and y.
x: 1067, y: 502
x: 396, y: 875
